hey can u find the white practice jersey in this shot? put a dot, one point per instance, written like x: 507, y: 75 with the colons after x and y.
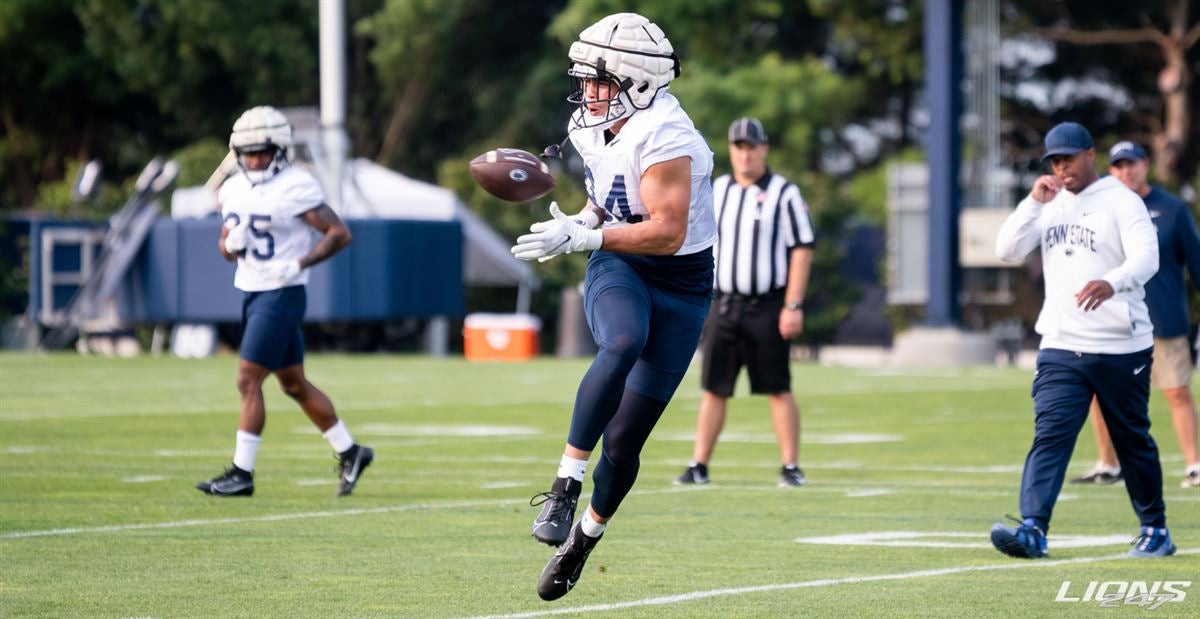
x: 613, y: 172
x: 277, y: 233
x: 1103, y: 232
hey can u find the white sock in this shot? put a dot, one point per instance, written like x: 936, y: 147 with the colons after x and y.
x: 339, y: 437
x: 572, y: 467
x: 1192, y: 469
x: 590, y: 527
x: 246, y: 450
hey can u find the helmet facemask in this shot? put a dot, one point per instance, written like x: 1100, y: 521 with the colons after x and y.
x: 279, y: 160
x: 259, y: 129
x: 611, y: 102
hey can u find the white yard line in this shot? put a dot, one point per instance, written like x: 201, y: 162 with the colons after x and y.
x: 1012, y: 564
x: 201, y: 522
x: 224, y: 406
x: 333, y: 513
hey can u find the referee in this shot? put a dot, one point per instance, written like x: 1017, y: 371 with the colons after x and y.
x: 763, y: 255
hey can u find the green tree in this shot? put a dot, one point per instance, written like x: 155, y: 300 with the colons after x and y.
x: 453, y: 72
x: 1125, y: 70
x: 124, y: 80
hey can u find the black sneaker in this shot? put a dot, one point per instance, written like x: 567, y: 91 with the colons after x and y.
x: 791, y: 477
x: 553, y: 524
x: 1100, y: 476
x: 351, y: 465
x: 694, y: 474
x: 566, y: 566
x: 233, y: 482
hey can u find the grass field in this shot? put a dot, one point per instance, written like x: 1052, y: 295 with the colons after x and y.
x: 98, y: 516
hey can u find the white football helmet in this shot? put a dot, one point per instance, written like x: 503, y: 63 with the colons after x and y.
x: 630, y: 51
x: 257, y: 129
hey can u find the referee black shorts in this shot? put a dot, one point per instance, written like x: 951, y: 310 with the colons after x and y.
x: 743, y: 330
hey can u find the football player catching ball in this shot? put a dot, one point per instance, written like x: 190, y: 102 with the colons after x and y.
x: 650, y: 227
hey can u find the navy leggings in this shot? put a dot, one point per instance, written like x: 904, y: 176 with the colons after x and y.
x: 646, y: 338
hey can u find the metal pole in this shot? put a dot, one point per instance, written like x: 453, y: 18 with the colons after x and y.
x: 943, y: 76
x: 332, y: 16
x: 523, y: 298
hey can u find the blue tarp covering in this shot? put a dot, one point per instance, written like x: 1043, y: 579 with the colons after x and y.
x: 393, y: 269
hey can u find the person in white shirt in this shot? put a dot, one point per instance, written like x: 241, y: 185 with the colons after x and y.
x: 270, y: 210
x: 1099, y: 248
x: 649, y: 278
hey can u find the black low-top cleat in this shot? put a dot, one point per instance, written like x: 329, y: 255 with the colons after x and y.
x: 351, y: 465
x: 1100, y: 476
x: 233, y: 482
x: 791, y: 477
x: 695, y: 474
x: 553, y: 523
x: 566, y: 566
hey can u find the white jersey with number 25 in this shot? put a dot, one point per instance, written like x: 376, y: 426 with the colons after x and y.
x: 613, y: 171
x: 277, y: 233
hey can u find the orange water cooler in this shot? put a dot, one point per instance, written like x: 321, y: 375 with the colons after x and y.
x: 501, y: 337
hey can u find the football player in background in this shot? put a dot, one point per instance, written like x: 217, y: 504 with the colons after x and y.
x: 649, y: 279
x: 270, y: 210
x: 1099, y: 249
x: 1166, y: 298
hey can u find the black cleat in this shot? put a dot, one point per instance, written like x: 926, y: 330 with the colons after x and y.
x: 791, y: 477
x: 695, y: 474
x: 233, y: 482
x: 553, y: 524
x: 1100, y: 475
x: 566, y: 566
x: 351, y: 465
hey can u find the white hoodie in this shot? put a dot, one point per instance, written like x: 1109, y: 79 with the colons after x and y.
x: 1103, y: 232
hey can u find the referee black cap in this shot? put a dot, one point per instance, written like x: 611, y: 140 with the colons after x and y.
x: 747, y: 130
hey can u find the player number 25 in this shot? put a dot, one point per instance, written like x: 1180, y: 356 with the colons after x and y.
x: 257, y: 232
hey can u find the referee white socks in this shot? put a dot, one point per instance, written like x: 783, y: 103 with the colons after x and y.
x: 339, y: 437
x: 572, y: 467
x: 246, y: 450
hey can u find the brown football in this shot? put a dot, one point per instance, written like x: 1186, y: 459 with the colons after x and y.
x: 512, y: 174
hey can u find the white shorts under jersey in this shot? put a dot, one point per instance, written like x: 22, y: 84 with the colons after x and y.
x: 277, y: 234
x: 659, y: 133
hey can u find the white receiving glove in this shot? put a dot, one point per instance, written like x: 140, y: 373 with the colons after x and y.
x: 283, y: 274
x: 235, y: 241
x: 561, y: 234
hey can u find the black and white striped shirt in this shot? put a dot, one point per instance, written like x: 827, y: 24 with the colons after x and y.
x: 756, y: 229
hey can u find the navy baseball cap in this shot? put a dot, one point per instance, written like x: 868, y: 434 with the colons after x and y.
x: 1126, y: 151
x: 747, y: 130
x: 1067, y: 139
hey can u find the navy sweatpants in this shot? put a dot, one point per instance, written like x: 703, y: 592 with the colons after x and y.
x: 1062, y: 393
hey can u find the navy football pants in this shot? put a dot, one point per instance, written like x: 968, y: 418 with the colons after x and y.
x: 1062, y: 394
x: 646, y: 338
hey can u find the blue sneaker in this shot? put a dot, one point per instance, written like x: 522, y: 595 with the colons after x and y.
x: 1026, y: 541
x: 1153, y: 543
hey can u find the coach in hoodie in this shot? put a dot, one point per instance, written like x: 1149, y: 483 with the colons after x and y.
x: 1099, y: 248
